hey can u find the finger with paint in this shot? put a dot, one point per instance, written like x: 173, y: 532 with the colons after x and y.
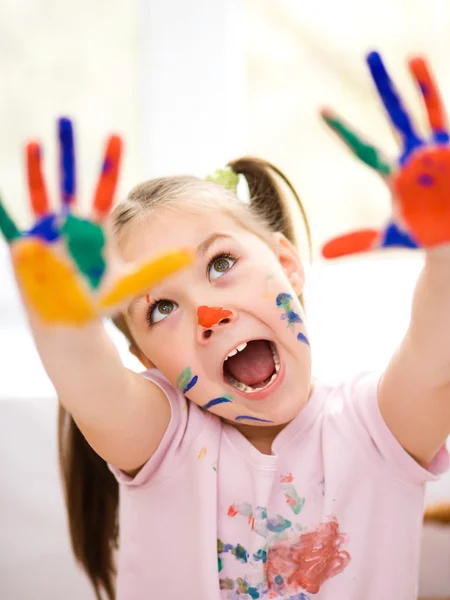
x: 66, y: 164
x: 106, y: 187
x: 393, y: 104
x: 430, y: 93
x: 368, y: 154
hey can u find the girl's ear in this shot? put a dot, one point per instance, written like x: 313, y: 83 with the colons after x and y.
x: 141, y: 357
x: 290, y: 261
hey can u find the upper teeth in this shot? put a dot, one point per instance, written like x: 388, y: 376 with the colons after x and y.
x: 237, y: 349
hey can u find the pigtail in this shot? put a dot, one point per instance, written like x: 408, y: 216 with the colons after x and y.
x: 268, y: 198
x: 91, y: 495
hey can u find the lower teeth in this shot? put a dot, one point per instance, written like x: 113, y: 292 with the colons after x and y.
x: 250, y: 390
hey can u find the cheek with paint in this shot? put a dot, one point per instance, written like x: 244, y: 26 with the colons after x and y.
x: 285, y: 301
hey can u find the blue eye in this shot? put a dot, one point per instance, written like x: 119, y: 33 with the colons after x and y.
x: 220, y: 265
x: 159, y: 310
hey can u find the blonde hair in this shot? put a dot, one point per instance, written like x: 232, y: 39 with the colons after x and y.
x: 91, y: 491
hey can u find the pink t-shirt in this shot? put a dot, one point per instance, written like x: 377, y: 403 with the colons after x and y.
x: 334, y: 513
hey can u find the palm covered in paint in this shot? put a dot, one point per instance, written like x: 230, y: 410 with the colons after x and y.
x: 419, y: 179
x: 60, y: 264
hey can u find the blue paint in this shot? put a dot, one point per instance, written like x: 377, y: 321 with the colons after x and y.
x: 261, y: 555
x: 67, y: 161
x: 393, y: 105
x: 191, y: 384
x: 302, y: 338
x: 300, y: 596
x: 220, y: 400
x: 279, y: 579
x: 107, y: 166
x: 394, y: 237
x: 283, y: 299
x: 425, y: 179
x: 46, y: 228
x: 291, y: 317
x: 441, y: 137
x: 243, y: 417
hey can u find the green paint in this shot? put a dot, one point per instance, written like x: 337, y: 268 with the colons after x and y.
x: 220, y: 563
x: 85, y: 242
x: 365, y: 152
x: 253, y: 593
x: 240, y: 553
x: 184, y: 378
x: 7, y: 226
x: 227, y: 178
x: 299, y: 502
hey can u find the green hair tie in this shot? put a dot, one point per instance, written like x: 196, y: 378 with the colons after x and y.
x: 226, y: 177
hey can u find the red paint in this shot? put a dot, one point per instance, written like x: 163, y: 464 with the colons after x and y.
x: 421, y: 188
x: 232, y: 512
x: 286, y: 478
x: 209, y: 316
x: 106, y: 187
x: 310, y: 560
x: 435, y: 109
x: 147, y: 298
x: 351, y: 243
x: 36, y: 183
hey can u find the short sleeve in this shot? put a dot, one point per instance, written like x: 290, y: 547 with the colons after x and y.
x: 361, y: 402
x: 186, y: 423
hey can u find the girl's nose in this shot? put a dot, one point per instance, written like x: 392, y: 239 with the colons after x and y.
x: 211, y: 317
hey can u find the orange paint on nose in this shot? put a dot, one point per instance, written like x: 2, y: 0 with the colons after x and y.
x: 208, y: 316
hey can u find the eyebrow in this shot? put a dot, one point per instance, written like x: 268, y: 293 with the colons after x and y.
x: 202, y: 249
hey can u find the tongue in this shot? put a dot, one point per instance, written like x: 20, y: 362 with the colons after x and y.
x: 253, y: 365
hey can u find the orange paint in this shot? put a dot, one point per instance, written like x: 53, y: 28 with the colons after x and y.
x: 286, y: 478
x: 147, y: 298
x: 309, y: 561
x: 351, y: 243
x: 202, y: 453
x: 422, y: 191
x: 208, y: 316
x: 36, y: 183
x: 435, y: 109
x: 50, y: 285
x: 232, y: 511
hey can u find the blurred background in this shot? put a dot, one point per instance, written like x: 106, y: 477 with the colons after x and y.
x: 191, y: 85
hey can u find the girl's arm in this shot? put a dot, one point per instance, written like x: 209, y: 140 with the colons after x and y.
x: 414, y: 391
x: 69, y: 277
x: 122, y: 415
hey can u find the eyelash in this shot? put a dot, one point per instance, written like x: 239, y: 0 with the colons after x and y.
x: 218, y: 256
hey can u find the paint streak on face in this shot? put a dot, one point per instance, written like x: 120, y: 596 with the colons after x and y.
x: 185, y: 380
x: 208, y: 316
x: 216, y: 401
x: 284, y: 301
x: 147, y: 298
x: 308, y: 562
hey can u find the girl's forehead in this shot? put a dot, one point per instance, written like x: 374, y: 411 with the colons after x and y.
x: 170, y: 229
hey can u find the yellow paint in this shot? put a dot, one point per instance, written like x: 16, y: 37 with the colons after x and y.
x: 50, y: 284
x: 145, y: 277
x: 202, y: 453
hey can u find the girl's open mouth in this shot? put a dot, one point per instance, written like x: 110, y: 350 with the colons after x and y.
x: 252, y: 366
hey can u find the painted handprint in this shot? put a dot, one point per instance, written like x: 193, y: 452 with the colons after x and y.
x: 420, y: 178
x: 61, y: 262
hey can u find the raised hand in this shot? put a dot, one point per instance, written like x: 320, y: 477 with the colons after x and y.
x: 419, y: 179
x: 66, y: 272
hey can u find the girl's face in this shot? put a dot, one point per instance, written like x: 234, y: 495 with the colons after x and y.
x: 228, y: 331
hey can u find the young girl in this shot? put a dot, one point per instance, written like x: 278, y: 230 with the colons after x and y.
x: 240, y: 476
